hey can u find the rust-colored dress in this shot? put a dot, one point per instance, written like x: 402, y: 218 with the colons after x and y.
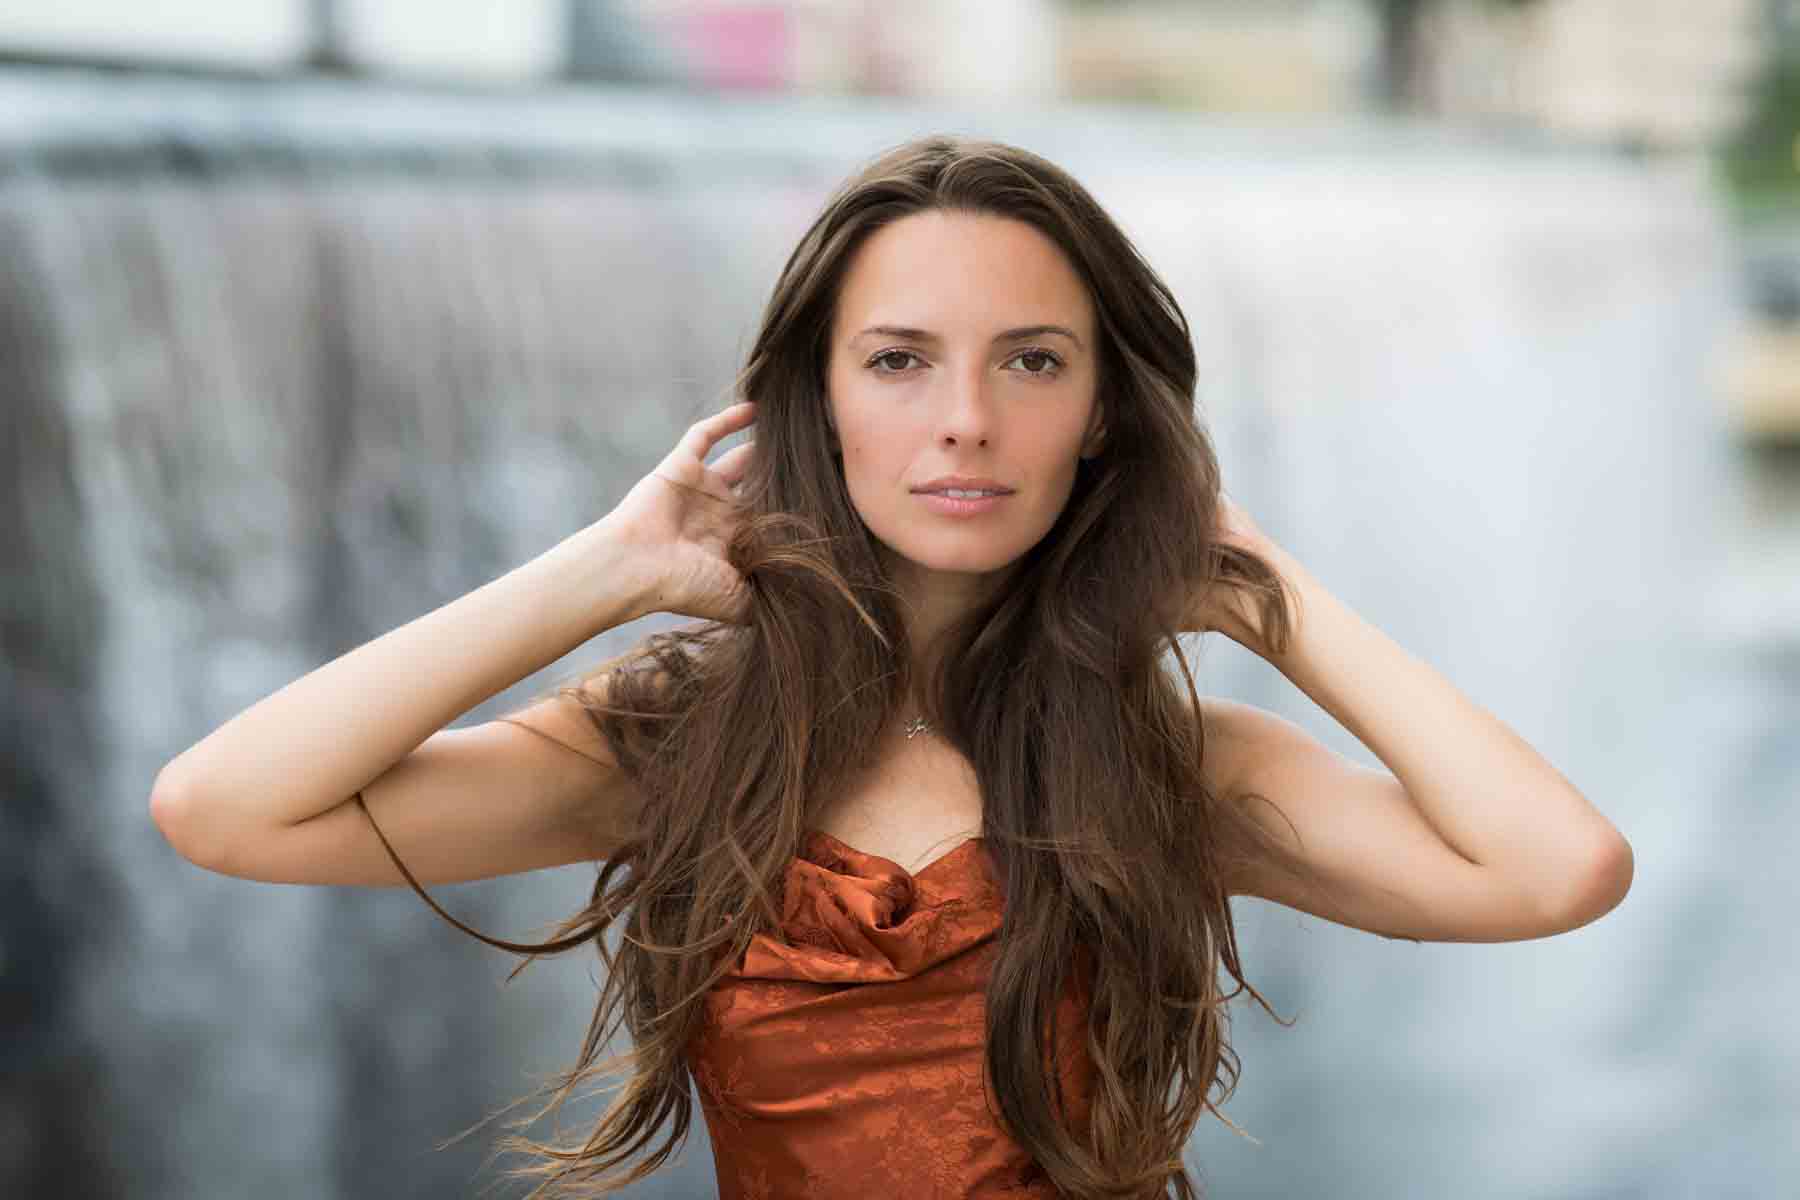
x: 849, y: 1062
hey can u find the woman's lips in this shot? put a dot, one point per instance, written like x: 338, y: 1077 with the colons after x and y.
x: 957, y: 506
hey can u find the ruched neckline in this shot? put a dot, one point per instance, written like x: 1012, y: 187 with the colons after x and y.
x: 843, y: 1054
x: 854, y: 857
x: 853, y: 917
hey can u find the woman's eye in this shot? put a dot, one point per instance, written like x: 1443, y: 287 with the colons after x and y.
x: 890, y: 354
x: 1047, y: 363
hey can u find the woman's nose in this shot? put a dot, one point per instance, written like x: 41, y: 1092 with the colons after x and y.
x: 966, y: 415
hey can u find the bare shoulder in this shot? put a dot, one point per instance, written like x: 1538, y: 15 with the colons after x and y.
x: 1236, y: 733
x: 1250, y: 754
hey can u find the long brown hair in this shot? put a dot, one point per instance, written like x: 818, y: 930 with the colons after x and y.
x: 1087, y: 747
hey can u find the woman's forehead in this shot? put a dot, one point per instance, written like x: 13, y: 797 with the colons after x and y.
x: 951, y: 274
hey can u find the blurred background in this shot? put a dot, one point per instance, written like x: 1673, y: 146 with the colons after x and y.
x: 316, y: 314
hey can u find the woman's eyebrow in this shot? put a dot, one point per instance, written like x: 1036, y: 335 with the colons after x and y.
x: 1008, y: 335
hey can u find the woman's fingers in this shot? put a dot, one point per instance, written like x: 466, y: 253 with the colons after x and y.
x: 703, y: 435
x: 731, y: 465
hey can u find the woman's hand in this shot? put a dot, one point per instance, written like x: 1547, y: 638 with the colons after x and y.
x: 1235, y: 528
x: 678, y: 520
x: 1225, y: 608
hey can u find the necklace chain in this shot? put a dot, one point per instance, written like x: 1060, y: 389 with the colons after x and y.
x: 917, y: 726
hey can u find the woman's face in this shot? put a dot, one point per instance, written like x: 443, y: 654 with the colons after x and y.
x: 962, y: 345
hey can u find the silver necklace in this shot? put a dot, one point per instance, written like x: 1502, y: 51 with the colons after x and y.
x: 917, y: 726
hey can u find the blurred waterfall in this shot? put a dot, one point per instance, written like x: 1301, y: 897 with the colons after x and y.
x: 288, y: 365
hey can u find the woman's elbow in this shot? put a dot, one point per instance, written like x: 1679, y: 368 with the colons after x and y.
x: 1604, y: 883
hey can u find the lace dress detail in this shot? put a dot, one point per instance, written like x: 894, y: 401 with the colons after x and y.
x: 846, y: 1058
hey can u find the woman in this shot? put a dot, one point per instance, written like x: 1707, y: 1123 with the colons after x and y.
x: 924, y: 840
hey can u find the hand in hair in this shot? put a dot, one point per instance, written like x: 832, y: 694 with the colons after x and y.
x: 680, y: 518
x: 1235, y: 528
x: 1231, y: 603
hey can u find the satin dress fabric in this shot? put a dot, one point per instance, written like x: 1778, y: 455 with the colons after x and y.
x: 847, y: 1058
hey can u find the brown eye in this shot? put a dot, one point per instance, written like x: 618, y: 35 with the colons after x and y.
x: 890, y: 354
x: 1046, y: 363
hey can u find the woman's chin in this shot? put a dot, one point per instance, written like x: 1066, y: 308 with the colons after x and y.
x: 923, y: 555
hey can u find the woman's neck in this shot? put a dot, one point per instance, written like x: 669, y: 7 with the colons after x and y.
x: 932, y: 601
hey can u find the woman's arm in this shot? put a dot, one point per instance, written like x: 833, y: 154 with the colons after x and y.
x: 268, y: 795
x: 292, y: 760
x: 1474, y: 836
